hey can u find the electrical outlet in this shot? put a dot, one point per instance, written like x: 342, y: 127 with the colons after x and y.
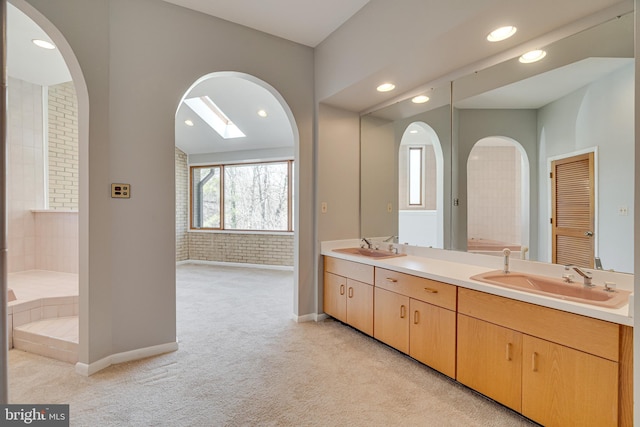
x: 623, y: 211
x: 323, y: 207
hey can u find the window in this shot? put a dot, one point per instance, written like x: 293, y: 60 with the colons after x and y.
x: 254, y: 196
x: 415, y: 176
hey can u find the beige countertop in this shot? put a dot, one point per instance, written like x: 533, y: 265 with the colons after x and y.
x: 456, y: 268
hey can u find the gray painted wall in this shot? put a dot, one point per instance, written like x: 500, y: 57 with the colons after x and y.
x: 138, y: 57
x: 600, y: 115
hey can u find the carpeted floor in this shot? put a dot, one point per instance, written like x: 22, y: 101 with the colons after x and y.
x: 243, y: 362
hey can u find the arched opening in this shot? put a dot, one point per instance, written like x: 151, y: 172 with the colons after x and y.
x: 421, y: 181
x: 58, y: 212
x: 235, y: 166
x: 498, y: 196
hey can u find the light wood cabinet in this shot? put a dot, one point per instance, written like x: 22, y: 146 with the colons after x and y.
x: 391, y: 319
x: 544, y: 377
x: 414, y: 316
x: 348, y: 293
x: 554, y: 367
x: 432, y: 336
x: 490, y: 360
x: 562, y: 386
x: 360, y: 306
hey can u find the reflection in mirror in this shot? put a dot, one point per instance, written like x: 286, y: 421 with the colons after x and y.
x: 576, y: 102
x: 398, y: 196
x: 420, y: 190
x: 498, y: 197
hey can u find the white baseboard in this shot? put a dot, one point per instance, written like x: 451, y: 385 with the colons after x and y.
x: 237, y: 264
x: 313, y: 317
x: 127, y: 356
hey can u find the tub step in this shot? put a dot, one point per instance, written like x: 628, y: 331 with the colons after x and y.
x: 56, y: 338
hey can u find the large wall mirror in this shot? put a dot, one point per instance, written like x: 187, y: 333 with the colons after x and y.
x: 405, y: 168
x: 536, y: 157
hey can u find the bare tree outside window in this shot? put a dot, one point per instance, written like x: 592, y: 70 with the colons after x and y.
x: 255, y: 196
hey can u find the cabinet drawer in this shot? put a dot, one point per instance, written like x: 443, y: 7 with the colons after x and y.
x: 436, y: 293
x: 353, y: 270
x: 593, y: 336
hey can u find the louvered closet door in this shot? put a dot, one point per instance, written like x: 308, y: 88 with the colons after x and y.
x: 573, y: 199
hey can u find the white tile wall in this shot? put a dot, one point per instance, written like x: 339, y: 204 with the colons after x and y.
x: 494, y: 194
x: 25, y: 171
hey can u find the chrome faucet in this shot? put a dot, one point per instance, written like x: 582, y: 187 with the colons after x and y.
x: 367, y: 242
x: 506, y: 252
x: 586, y: 276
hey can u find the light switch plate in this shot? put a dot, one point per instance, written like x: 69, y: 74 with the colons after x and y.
x: 120, y: 191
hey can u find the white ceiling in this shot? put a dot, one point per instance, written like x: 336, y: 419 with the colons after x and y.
x: 25, y: 60
x: 306, y: 22
x: 240, y: 99
x: 542, y: 89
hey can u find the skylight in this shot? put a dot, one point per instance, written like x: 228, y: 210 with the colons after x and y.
x: 208, y: 111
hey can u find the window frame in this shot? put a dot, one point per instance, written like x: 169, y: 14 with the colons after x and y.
x: 420, y: 178
x: 221, y: 167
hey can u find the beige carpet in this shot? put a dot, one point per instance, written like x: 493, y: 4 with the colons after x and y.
x: 243, y: 362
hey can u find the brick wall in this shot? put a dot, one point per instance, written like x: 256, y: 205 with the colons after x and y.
x: 63, y: 147
x: 267, y: 249
x: 182, y: 211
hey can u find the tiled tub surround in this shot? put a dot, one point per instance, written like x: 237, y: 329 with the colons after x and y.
x: 456, y: 268
x: 43, y: 319
x: 56, y: 240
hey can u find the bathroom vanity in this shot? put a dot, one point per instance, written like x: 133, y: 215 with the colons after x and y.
x: 556, y: 361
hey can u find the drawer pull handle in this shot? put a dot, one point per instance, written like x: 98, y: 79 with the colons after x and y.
x: 416, y: 317
x: 350, y: 292
x: 341, y: 289
x: 392, y: 280
x: 403, y: 311
x: 534, y: 362
x: 431, y: 290
x: 509, y: 351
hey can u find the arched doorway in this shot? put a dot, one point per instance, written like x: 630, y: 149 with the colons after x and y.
x: 420, y: 192
x: 231, y: 127
x: 498, y: 196
x: 78, y: 242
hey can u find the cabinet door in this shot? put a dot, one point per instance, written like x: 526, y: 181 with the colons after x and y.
x: 391, y: 319
x: 360, y: 306
x: 562, y: 386
x: 490, y: 360
x: 432, y: 336
x: 335, y: 291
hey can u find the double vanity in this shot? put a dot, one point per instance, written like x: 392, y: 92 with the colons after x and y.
x: 550, y: 348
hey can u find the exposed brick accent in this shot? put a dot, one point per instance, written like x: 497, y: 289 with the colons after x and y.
x: 63, y: 147
x: 267, y: 249
x: 182, y: 211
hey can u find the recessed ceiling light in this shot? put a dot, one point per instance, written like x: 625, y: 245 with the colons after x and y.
x: 43, y: 44
x: 188, y: 122
x: 262, y: 113
x: 386, y: 87
x: 532, y: 56
x: 501, y: 33
x: 420, y: 99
